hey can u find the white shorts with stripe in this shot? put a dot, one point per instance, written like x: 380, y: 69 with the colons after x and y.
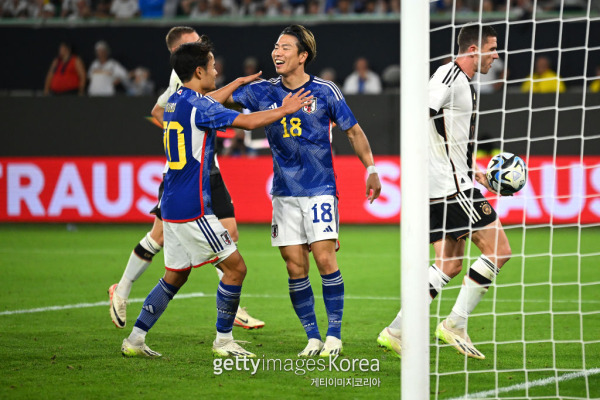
x: 300, y: 220
x: 195, y: 243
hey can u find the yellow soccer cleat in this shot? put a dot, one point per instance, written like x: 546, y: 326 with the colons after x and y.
x: 390, y: 342
x: 458, y: 339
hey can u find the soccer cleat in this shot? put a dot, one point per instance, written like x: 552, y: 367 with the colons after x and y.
x: 390, y: 342
x: 128, y: 349
x: 332, y: 347
x: 313, y: 348
x: 118, y: 307
x: 243, y: 319
x: 458, y: 339
x: 229, y: 348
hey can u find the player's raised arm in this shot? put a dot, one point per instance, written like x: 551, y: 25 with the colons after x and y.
x: 290, y: 105
x: 360, y: 144
x: 158, y: 112
x: 224, y: 95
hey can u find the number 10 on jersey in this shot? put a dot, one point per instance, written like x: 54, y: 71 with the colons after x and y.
x: 174, y: 143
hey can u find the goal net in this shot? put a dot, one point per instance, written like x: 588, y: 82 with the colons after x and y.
x: 539, y: 323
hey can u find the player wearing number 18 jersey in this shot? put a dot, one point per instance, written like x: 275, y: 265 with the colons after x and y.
x: 305, y: 211
x: 301, y: 142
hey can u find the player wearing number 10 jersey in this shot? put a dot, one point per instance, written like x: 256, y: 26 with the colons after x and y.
x: 193, y: 235
x: 305, y: 211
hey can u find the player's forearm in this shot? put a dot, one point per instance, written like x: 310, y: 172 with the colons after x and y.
x: 258, y: 119
x: 224, y: 95
x: 158, y: 112
x: 360, y: 144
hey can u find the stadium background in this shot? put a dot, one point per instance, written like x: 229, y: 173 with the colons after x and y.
x: 65, y: 127
x: 84, y: 159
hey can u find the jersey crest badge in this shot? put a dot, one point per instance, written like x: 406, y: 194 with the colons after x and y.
x: 486, y: 208
x: 312, y: 107
x: 179, y: 91
x: 274, y: 231
x: 226, y: 238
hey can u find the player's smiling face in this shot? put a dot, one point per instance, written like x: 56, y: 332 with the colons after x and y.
x: 285, y: 54
x: 488, y: 54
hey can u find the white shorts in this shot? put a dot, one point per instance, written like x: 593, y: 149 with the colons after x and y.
x: 195, y: 243
x: 299, y: 220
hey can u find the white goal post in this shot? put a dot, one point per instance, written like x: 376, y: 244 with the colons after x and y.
x: 539, y: 323
x: 414, y: 115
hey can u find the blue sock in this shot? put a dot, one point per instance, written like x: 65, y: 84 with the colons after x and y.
x: 155, y: 304
x: 303, y: 301
x: 333, y: 295
x: 228, y: 300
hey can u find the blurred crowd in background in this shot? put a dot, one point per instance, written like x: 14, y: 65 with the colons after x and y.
x: 106, y: 76
x: 128, y: 9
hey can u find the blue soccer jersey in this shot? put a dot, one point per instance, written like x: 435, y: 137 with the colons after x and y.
x: 191, y: 122
x: 300, y: 142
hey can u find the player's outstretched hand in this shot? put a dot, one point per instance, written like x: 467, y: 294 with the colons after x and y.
x: 373, y: 187
x: 244, y: 80
x: 481, y: 178
x: 291, y: 104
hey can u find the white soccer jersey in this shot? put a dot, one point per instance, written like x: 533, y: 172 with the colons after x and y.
x: 174, y: 84
x: 451, y: 133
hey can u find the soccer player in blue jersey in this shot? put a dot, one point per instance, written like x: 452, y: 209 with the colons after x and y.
x: 142, y: 255
x: 193, y: 234
x: 305, y: 198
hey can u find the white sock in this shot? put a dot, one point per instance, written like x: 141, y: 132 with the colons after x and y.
x: 475, y: 286
x: 137, y: 336
x: 437, y: 280
x: 224, y: 336
x: 219, y: 273
x: 396, y: 325
x: 137, y: 264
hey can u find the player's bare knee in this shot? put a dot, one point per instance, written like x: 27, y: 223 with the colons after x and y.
x: 157, y: 233
x: 295, y: 270
x: 504, y: 254
x: 177, y: 278
x: 452, y: 267
x: 326, y: 264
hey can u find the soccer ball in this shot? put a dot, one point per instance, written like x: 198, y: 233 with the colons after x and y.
x: 506, y: 173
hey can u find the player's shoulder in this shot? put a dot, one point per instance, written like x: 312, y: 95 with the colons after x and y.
x: 328, y: 87
x: 197, y: 100
x: 265, y: 83
x: 446, y: 74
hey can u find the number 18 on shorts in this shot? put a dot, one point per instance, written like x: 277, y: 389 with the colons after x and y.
x: 299, y: 220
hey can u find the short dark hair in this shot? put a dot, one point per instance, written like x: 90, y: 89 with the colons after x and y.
x: 190, y: 56
x: 306, y: 40
x: 175, y: 34
x: 469, y: 35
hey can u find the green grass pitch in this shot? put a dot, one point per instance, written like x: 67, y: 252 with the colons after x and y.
x: 544, y: 329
